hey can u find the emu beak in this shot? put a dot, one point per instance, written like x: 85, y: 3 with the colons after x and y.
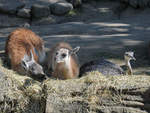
x: 133, y: 58
x: 43, y: 73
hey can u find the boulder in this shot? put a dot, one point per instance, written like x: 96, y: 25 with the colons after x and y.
x: 133, y: 3
x: 61, y: 8
x: 137, y: 3
x: 143, y: 3
x: 39, y: 11
x: 85, y: 1
x: 11, y: 7
x: 44, y: 21
x: 75, y: 3
x: 25, y: 13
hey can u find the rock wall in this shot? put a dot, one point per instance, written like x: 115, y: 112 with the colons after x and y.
x: 17, y: 12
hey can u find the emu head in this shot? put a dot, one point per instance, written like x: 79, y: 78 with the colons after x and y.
x: 129, y: 56
x: 63, y: 54
x: 31, y: 66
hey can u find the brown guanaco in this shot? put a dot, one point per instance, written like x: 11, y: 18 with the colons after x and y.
x: 25, y: 50
x: 63, y: 61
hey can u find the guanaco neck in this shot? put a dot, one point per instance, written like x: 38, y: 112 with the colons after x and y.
x: 129, y: 69
x: 68, y: 67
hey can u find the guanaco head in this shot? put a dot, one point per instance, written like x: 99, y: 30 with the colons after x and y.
x: 129, y: 56
x: 63, y: 54
x: 31, y: 66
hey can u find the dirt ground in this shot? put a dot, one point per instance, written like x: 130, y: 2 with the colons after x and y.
x: 100, y: 33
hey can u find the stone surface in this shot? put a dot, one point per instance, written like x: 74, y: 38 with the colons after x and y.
x: 85, y: 0
x: 133, y: 3
x: 143, y: 3
x: 75, y: 3
x: 25, y: 13
x: 10, y: 7
x: 61, y: 8
x: 39, y: 11
x: 45, y: 21
x: 137, y: 3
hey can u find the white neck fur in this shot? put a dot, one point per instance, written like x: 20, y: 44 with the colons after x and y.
x: 128, y: 64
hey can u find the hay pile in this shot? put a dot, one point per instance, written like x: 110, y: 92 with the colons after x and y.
x: 93, y: 93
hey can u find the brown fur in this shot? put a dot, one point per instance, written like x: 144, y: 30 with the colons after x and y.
x: 19, y: 43
x: 60, y: 70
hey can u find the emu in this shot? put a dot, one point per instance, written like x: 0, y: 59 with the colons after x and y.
x: 25, y: 50
x: 108, y: 68
x: 63, y: 61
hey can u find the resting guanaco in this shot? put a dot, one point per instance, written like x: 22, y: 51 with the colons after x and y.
x: 63, y: 61
x: 25, y: 50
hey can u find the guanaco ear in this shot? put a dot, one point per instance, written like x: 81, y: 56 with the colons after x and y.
x: 31, y: 57
x: 75, y: 50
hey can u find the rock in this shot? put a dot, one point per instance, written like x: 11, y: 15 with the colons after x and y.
x: 85, y: 0
x: 133, y: 3
x: 137, y: 3
x: 26, y: 25
x: 55, y: 1
x: 124, y: 1
x: 25, y: 13
x: 44, y: 21
x: 143, y: 3
x: 61, y: 8
x: 75, y: 3
x: 39, y: 11
x: 11, y: 7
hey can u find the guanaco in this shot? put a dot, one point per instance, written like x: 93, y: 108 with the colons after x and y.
x: 25, y: 51
x: 63, y: 61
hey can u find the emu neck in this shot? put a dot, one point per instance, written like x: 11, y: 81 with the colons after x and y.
x: 129, y: 69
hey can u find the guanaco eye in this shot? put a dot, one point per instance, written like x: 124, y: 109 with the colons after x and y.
x: 63, y: 55
x: 56, y: 53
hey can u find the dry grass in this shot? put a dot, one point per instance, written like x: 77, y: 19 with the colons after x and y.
x: 22, y: 90
x: 94, y: 90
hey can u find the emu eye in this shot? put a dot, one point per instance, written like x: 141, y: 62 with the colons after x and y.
x: 127, y: 55
x: 63, y: 55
